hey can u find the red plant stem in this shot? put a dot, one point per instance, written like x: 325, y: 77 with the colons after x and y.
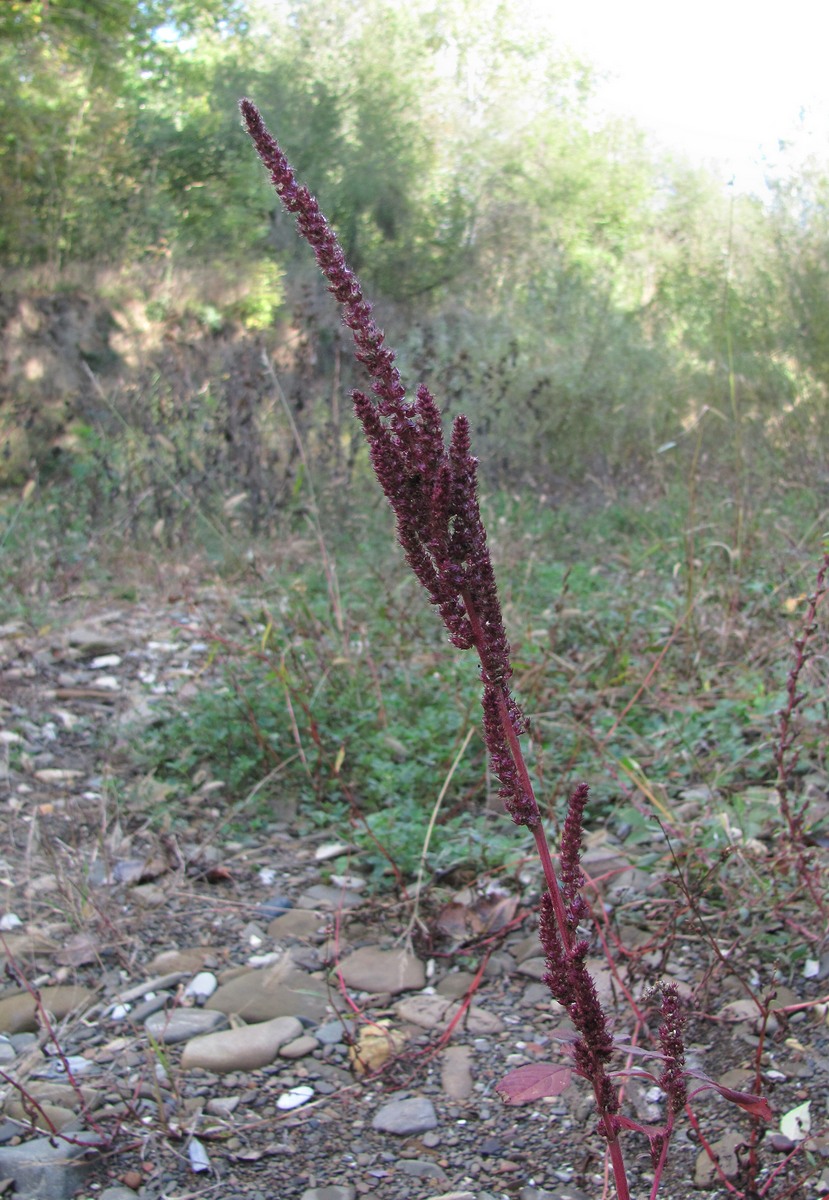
x: 706, y: 1145
x: 541, y: 843
x: 778, y: 1170
x: 551, y: 879
x: 663, y: 1154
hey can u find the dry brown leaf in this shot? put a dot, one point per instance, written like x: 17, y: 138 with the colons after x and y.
x: 80, y: 949
x: 375, y: 1045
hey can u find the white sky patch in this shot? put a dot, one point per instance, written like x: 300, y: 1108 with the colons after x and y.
x: 721, y: 82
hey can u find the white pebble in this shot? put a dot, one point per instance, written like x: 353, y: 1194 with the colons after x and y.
x: 295, y: 1097
x: 105, y: 660
x: 198, y: 1156
x: 202, y: 985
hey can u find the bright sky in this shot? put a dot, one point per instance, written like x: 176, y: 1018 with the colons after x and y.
x: 720, y: 80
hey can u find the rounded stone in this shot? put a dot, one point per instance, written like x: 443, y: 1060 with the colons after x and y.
x: 242, y: 1049
x: 405, y: 1117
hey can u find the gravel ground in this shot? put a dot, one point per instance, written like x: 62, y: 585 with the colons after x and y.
x: 391, y: 1102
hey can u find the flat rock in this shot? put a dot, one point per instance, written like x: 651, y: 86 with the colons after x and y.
x: 535, y: 968
x: 433, y: 1012
x: 18, y: 1012
x: 92, y: 640
x: 456, y: 1072
x: 335, y: 1192
x: 244, y: 1049
x: 299, y: 1047
x: 322, y: 895
x: 453, y: 1196
x: 274, y: 906
x: 42, y: 1170
x: 406, y: 1117
x: 297, y: 923
x: 187, y: 960
x: 527, y: 947
x: 537, y: 993
x: 183, y: 1023
x: 422, y: 1168
x: 371, y: 969
x: 47, y: 1116
x: 26, y: 946
x: 263, y: 994
x: 706, y: 1174
x: 455, y: 984
x: 449, y: 1196
x: 64, y: 1093
x: 565, y: 1193
x: 333, y: 1032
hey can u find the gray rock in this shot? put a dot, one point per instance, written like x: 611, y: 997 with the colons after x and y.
x: 430, y: 1012
x: 332, y: 1032
x: 459, y: 1196
x: 536, y: 993
x: 455, y: 984
x: 535, y: 968
x: 182, y: 1024
x: 261, y: 995
x: 371, y: 969
x: 321, y: 895
x: 273, y: 907
x: 117, y: 1193
x: 18, y: 1012
x: 139, y: 1014
x: 725, y: 1151
x: 299, y: 1047
x: 335, y: 1192
x: 456, y: 1072
x: 420, y: 1168
x: 158, y: 983
x: 223, y: 1106
x: 90, y: 641
x: 565, y: 1193
x: 243, y: 1049
x: 47, y: 1116
x: 43, y: 1171
x: 405, y: 1117
x: 298, y: 923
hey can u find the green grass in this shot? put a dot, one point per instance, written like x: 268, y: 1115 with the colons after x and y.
x: 360, y: 726
x: 632, y: 645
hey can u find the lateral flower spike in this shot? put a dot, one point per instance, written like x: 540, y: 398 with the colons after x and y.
x: 431, y: 487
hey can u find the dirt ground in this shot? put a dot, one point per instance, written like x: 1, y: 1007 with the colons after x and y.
x: 112, y: 883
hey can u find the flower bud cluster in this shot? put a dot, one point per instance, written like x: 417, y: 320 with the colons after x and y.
x: 431, y: 487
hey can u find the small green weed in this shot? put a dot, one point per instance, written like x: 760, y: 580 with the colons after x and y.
x: 361, y: 732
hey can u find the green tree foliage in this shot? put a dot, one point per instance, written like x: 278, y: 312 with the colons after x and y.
x: 74, y: 78
x: 540, y: 259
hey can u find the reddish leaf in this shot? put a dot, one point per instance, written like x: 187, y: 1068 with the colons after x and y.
x: 458, y: 921
x: 496, y: 911
x: 533, y: 1082
x: 79, y: 949
x: 758, y: 1106
x: 218, y: 874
